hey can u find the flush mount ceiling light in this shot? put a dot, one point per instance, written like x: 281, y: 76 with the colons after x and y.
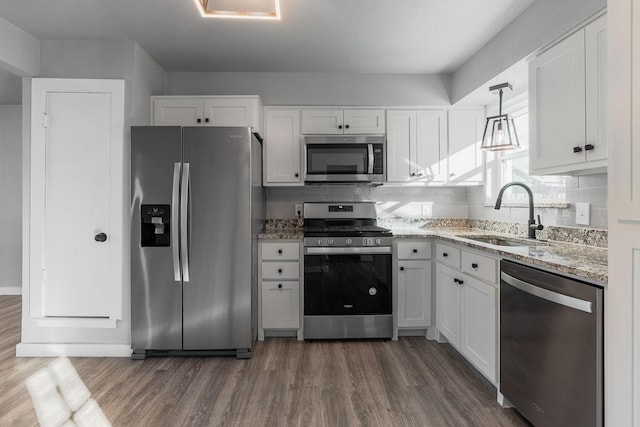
x: 239, y: 9
x: 500, y: 131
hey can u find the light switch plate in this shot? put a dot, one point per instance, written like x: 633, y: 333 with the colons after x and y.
x: 583, y: 213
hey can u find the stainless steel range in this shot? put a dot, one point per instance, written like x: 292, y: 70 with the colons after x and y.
x: 347, y: 272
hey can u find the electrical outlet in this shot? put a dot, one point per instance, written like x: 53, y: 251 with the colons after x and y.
x: 427, y: 210
x: 583, y: 214
x: 298, y: 210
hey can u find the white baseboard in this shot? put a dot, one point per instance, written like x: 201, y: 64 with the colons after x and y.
x: 10, y: 290
x: 73, y: 350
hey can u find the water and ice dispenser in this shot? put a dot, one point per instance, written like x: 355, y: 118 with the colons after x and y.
x: 155, y: 225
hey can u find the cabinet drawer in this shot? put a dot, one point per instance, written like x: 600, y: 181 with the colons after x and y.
x: 281, y: 251
x: 280, y: 270
x: 448, y: 255
x: 414, y: 250
x: 482, y: 267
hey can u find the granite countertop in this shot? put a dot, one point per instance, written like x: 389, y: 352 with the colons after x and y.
x: 585, y: 262
x: 281, y: 233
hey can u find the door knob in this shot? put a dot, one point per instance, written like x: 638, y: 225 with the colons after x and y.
x: 101, y: 237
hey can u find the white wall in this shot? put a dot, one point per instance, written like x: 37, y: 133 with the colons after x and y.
x: 538, y: 25
x: 316, y: 88
x: 19, y: 51
x: 10, y: 194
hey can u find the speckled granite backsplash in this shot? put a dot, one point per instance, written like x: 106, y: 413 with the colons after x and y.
x: 283, y: 224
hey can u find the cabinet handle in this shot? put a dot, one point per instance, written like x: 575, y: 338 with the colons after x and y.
x: 347, y: 127
x: 456, y: 280
x: 279, y: 285
x: 474, y: 265
x: 100, y: 237
x: 279, y: 271
x: 280, y: 251
x: 589, y: 147
x: 401, y: 268
x: 339, y: 126
x: 199, y: 120
x: 415, y: 251
x: 296, y: 174
x: 577, y: 149
x: 444, y: 254
x: 206, y: 120
x: 461, y: 282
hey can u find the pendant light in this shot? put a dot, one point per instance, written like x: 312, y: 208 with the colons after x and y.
x: 500, y: 131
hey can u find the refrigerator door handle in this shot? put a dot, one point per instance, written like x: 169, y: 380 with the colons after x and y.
x: 184, y: 222
x: 175, y: 246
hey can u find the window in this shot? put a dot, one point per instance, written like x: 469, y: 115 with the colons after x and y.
x: 510, y: 166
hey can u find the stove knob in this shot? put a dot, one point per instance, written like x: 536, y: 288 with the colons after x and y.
x: 348, y: 241
x: 330, y: 242
x: 378, y: 241
x: 319, y: 242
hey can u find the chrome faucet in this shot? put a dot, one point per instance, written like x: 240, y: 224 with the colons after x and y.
x: 532, y: 222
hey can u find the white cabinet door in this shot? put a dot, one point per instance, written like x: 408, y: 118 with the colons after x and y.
x: 322, y: 122
x: 282, y: 163
x: 280, y: 305
x: 431, y: 146
x: 77, y: 193
x: 364, y: 121
x: 414, y: 294
x: 464, y: 157
x: 338, y: 122
x: 596, y: 147
x: 416, y: 145
x: 448, y: 296
x: 557, y: 105
x: 232, y: 111
x: 401, y: 137
x: 478, y: 324
x: 178, y: 112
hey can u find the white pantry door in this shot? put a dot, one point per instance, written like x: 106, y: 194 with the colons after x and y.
x: 77, y: 196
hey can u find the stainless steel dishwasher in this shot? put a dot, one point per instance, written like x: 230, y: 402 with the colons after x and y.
x: 551, y: 347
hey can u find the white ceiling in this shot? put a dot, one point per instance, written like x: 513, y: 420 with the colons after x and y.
x: 369, y: 36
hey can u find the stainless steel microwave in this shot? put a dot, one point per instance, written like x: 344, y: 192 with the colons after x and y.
x: 344, y: 158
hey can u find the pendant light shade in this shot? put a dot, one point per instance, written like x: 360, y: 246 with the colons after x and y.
x: 500, y: 131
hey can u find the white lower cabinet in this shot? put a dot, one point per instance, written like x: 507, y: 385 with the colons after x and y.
x: 279, y: 298
x: 413, y: 272
x: 281, y: 305
x: 466, y: 308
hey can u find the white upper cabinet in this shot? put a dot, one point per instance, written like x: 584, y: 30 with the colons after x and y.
x: 338, y: 121
x: 465, y: 158
x: 207, y: 111
x: 281, y: 147
x: 416, y: 145
x: 567, y: 104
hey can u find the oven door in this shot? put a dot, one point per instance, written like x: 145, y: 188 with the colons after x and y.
x: 347, y: 281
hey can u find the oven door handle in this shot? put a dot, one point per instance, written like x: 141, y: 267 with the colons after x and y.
x: 348, y: 251
x: 551, y: 296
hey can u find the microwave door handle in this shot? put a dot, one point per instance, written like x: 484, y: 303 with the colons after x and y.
x: 175, y: 234
x: 371, y: 159
x: 184, y: 222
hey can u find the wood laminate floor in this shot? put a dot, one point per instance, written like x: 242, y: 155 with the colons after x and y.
x: 410, y: 382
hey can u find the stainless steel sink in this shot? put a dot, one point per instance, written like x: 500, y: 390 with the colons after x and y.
x: 503, y: 241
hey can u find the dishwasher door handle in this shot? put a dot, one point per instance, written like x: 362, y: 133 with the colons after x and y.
x: 554, y: 297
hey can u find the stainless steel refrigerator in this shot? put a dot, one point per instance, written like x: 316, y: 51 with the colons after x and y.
x: 197, y: 208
